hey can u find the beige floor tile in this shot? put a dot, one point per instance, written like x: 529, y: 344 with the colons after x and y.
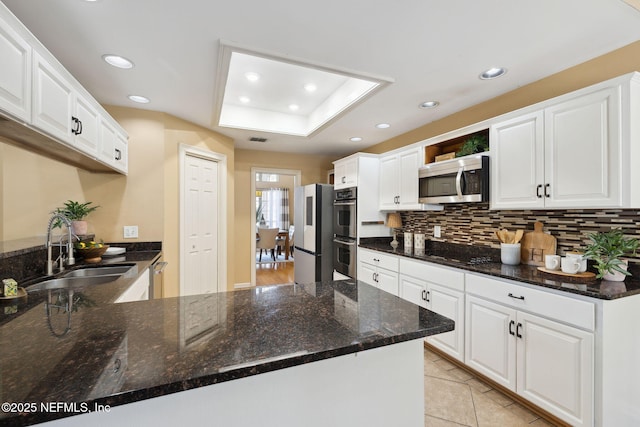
x: 460, y: 374
x: 433, y: 369
x: 491, y: 414
x: 498, y: 397
x: 449, y: 400
x: 522, y: 412
x: 479, y: 385
x: 445, y: 364
x: 541, y: 422
x: 437, y: 422
x: 430, y: 355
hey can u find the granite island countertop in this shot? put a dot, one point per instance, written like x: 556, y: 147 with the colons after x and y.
x: 121, y: 353
x: 464, y: 257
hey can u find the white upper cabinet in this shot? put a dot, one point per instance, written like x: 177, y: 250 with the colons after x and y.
x: 345, y: 173
x: 399, y: 180
x: 52, y: 100
x: 15, y: 78
x: 576, y: 151
x: 61, y: 118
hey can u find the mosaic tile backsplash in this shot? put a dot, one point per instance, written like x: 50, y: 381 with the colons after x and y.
x: 475, y: 224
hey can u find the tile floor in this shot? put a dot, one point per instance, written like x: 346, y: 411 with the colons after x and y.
x: 455, y: 398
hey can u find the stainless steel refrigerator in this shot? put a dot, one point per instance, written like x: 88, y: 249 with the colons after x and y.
x: 313, y: 237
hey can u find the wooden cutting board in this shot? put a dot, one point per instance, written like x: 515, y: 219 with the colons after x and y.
x: 535, y: 245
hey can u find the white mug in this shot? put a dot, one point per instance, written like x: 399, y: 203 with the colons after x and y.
x: 552, y: 262
x: 570, y: 265
x: 580, y: 258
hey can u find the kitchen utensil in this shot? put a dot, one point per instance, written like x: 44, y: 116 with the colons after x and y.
x: 537, y: 244
x: 519, y: 234
x: 569, y: 265
x: 552, y: 262
x: 510, y: 253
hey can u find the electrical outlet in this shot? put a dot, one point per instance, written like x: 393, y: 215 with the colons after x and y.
x: 130, y: 231
x: 437, y: 231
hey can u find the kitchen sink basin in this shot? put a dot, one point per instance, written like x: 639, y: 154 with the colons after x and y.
x: 110, y: 270
x: 71, y: 282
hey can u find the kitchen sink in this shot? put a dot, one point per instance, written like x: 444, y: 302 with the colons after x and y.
x: 109, y: 270
x: 71, y: 282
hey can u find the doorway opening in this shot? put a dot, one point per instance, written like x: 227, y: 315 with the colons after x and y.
x: 272, y: 207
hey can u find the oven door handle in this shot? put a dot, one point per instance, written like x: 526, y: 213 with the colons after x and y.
x: 459, y: 181
x: 340, y: 203
x: 344, y: 242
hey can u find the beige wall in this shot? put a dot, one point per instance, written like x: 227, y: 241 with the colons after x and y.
x: 613, y: 64
x: 314, y: 169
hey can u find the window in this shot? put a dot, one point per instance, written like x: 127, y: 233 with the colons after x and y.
x: 272, y: 208
x: 267, y: 177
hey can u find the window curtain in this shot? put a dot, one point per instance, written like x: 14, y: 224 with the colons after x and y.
x: 275, y: 207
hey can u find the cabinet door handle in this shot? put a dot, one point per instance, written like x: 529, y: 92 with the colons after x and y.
x: 546, y: 190
x: 511, y: 325
x: 428, y: 292
x: 515, y: 297
x: 518, y: 334
x: 74, y: 128
x: 79, y: 127
x: 118, y: 154
x: 424, y: 295
x: 344, y: 179
x: 538, y: 188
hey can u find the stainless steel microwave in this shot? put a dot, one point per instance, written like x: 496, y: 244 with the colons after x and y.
x: 461, y: 180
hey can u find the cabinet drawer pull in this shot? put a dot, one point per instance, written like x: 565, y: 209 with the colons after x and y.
x: 518, y: 334
x: 515, y: 297
x: 511, y: 325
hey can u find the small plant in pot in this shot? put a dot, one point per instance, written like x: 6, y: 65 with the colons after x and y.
x: 76, y: 212
x: 606, y: 250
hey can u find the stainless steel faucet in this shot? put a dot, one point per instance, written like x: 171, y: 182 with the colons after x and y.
x: 70, y: 260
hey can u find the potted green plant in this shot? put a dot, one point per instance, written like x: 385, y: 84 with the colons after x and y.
x: 76, y: 212
x: 606, y: 249
x: 474, y: 144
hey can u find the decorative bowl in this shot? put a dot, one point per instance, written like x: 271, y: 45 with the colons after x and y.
x: 91, y: 254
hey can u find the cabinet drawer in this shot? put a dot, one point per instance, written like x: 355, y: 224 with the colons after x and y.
x: 443, y: 276
x: 379, y: 259
x: 557, y: 307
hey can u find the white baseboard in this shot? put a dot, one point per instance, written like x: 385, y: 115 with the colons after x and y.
x: 242, y: 285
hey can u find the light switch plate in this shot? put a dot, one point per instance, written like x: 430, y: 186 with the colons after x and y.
x: 437, y: 231
x: 130, y: 231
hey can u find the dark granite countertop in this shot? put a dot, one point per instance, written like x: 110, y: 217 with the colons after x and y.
x: 121, y: 353
x: 459, y: 256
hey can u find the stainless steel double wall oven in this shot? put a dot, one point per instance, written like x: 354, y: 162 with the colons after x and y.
x: 345, y: 228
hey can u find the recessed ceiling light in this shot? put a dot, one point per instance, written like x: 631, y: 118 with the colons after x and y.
x: 245, y: 99
x: 382, y: 125
x: 355, y: 139
x: 294, y: 107
x: 429, y: 104
x: 310, y: 87
x: 252, y: 77
x: 492, y: 73
x: 139, y: 99
x: 117, y: 61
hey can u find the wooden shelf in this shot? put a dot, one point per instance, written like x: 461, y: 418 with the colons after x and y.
x: 449, y: 146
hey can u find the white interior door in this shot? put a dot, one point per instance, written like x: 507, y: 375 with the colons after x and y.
x: 200, y: 235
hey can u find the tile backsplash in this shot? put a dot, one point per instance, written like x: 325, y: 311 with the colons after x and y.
x: 475, y: 224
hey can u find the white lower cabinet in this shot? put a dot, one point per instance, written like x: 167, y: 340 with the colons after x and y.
x: 378, y: 269
x: 138, y: 291
x: 441, y: 290
x: 547, y: 362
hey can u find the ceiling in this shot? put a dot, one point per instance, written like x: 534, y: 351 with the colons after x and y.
x: 430, y: 49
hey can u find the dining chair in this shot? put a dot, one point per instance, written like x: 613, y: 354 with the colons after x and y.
x: 267, y: 240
